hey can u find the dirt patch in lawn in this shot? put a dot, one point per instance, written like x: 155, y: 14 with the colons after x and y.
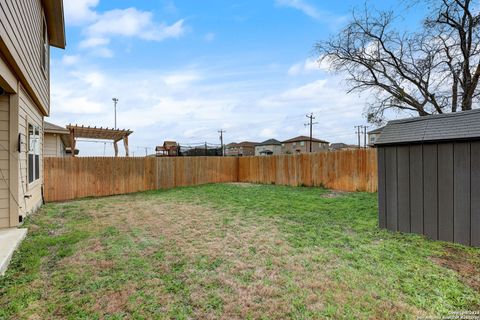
x: 113, y: 302
x: 244, y: 184
x: 334, y: 194
x: 460, y: 262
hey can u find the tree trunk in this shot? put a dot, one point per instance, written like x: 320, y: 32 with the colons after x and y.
x: 455, y: 94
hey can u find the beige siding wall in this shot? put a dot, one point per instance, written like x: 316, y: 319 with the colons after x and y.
x: 303, y: 147
x: 21, y: 23
x: 276, y: 149
x: 4, y: 169
x: 53, y: 145
x: 28, y: 113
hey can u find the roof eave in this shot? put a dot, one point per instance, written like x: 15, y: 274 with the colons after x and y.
x: 448, y: 140
x: 56, y: 131
x: 55, y: 22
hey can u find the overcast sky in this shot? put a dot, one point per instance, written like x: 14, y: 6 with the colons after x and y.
x: 182, y: 70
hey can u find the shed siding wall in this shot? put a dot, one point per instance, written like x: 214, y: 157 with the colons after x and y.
x: 430, y: 189
x: 416, y: 189
x: 382, y: 214
x: 461, y: 193
x: 21, y: 25
x: 391, y: 184
x: 445, y: 191
x: 403, y: 166
x: 475, y: 200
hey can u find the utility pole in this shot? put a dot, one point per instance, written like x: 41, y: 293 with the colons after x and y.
x: 115, y: 101
x: 221, y: 131
x: 206, y: 149
x: 359, y: 129
x: 365, y: 136
x: 146, y: 151
x: 311, y: 117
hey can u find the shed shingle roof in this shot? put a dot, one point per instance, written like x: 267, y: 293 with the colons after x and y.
x: 452, y: 126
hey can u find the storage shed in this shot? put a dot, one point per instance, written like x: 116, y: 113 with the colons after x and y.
x: 429, y: 176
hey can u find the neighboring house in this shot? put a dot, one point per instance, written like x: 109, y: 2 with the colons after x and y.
x: 27, y: 30
x: 301, y: 144
x: 169, y: 149
x: 341, y: 146
x: 268, y: 148
x: 56, y: 140
x: 242, y: 149
x: 373, y: 136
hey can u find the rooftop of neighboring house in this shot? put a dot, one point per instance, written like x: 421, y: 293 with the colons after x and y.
x: 440, y: 127
x: 49, y: 127
x: 341, y: 145
x: 270, y: 142
x: 304, y: 138
x: 169, y: 143
x: 241, y: 144
x: 376, y: 131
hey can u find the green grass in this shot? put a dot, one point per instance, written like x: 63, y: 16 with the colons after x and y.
x: 232, y: 251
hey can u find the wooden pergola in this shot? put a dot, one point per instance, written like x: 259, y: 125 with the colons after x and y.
x: 115, y: 135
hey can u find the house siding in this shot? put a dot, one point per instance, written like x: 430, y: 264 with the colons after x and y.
x: 53, y: 146
x: 31, y: 192
x: 21, y: 24
x: 276, y: 149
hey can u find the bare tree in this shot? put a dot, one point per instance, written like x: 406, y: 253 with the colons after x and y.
x: 434, y: 70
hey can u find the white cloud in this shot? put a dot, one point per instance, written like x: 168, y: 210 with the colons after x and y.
x: 78, y: 12
x: 93, y: 42
x: 310, y: 65
x: 301, y: 5
x: 181, y: 79
x: 132, y: 22
x: 100, y: 27
x: 70, y: 59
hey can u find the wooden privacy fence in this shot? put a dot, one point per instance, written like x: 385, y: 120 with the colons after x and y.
x: 71, y: 178
x: 349, y: 170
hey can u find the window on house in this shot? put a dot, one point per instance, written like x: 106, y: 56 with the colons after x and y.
x: 33, y: 153
x: 294, y: 144
x: 302, y: 143
x: 45, y: 47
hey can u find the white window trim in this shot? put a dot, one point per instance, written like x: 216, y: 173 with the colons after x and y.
x: 34, y: 183
x: 45, y: 50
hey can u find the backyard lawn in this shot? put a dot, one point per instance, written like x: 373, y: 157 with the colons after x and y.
x: 232, y: 251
